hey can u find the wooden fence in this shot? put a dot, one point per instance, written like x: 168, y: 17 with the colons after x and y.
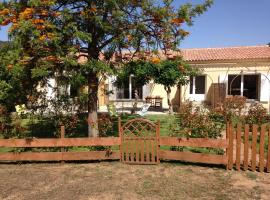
x: 61, y: 155
x: 108, y: 154
x: 246, y: 147
x: 63, y: 142
x: 249, y: 147
x: 193, y: 157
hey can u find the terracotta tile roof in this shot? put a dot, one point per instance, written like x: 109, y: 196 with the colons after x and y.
x: 227, y: 53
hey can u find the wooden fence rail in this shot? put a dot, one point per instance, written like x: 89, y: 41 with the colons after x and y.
x: 194, y: 142
x: 247, y: 147
x: 193, y: 157
x: 60, y: 156
x: 61, y: 143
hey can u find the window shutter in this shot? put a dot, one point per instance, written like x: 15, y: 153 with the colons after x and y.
x: 223, y: 78
x: 264, y: 90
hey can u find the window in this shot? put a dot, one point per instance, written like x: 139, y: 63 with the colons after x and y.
x: 234, y: 84
x: 244, y: 85
x: 127, y: 90
x: 197, y: 85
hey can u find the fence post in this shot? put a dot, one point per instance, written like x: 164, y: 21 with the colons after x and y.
x: 238, y: 145
x: 158, y: 135
x: 120, y: 137
x: 227, y: 148
x: 246, y: 147
x: 261, y: 156
x: 62, y: 136
x: 230, y: 147
x: 254, y: 147
x: 268, y: 152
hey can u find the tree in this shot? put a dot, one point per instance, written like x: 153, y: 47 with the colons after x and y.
x: 54, y: 34
x: 172, y: 73
x: 16, y: 84
x: 168, y: 73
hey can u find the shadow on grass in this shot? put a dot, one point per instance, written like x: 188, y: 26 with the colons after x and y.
x: 183, y: 163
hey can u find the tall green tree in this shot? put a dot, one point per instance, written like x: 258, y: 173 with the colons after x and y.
x: 54, y: 34
x: 168, y: 73
x: 17, y: 86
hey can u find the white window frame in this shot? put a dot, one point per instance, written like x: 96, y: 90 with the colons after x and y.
x: 197, y: 97
x: 129, y: 88
x: 242, y: 85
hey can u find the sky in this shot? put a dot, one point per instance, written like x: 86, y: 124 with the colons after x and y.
x: 230, y: 23
x: 226, y: 23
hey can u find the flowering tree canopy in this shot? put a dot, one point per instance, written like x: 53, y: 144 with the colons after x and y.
x: 53, y: 34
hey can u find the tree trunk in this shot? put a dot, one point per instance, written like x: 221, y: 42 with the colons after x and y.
x: 134, y: 107
x: 168, y: 90
x: 92, y: 105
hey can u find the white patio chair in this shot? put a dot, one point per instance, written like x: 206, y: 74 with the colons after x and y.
x: 144, y: 109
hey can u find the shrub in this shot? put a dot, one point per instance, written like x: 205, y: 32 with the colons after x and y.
x: 232, y: 109
x: 257, y: 114
x: 105, y: 125
x: 198, y: 122
x: 4, y: 120
x: 233, y: 106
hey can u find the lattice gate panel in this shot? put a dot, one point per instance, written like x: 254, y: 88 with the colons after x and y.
x: 139, y: 142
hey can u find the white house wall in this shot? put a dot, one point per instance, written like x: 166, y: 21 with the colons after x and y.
x: 219, y: 74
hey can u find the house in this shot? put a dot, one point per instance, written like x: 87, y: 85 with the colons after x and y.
x: 226, y: 71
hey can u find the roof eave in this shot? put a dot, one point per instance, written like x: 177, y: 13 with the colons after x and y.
x: 228, y: 61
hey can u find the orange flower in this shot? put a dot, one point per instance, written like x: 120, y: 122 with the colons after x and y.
x: 51, y: 58
x: 38, y: 21
x: 93, y: 9
x: 9, y: 67
x: 4, y: 11
x: 42, y: 37
x: 177, y: 21
x: 27, y: 13
x: 40, y: 27
x: 155, y: 60
x: 56, y: 14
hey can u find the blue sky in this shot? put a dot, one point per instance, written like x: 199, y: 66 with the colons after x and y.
x: 231, y: 23
x: 226, y: 23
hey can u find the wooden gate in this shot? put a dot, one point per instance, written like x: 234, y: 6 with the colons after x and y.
x: 139, y: 141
